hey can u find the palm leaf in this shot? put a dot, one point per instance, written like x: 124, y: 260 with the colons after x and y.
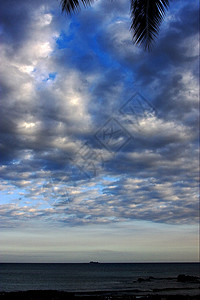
x: 147, y: 16
x: 74, y: 5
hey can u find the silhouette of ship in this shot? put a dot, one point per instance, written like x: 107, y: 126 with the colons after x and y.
x: 94, y: 262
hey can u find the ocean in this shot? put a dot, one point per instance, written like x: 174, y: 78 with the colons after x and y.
x: 99, y: 277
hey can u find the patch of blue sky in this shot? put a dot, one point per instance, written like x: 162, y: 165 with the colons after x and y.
x: 88, y: 44
x: 111, y: 178
x: 63, y: 40
x: 66, y: 36
x: 52, y: 77
x: 11, y: 196
x: 107, y: 60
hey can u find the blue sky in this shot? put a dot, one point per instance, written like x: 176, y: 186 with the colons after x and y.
x: 99, y: 139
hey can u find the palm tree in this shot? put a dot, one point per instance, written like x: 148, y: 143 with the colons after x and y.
x: 146, y: 18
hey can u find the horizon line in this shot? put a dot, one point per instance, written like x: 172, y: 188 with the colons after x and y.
x: 149, y: 262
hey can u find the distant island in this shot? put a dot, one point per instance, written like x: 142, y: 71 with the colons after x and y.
x: 94, y: 262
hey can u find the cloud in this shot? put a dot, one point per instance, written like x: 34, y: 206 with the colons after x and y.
x: 62, y: 80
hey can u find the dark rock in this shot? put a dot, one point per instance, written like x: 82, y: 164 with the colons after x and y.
x: 187, y: 278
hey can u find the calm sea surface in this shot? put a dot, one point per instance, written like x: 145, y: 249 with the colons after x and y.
x: 96, y: 277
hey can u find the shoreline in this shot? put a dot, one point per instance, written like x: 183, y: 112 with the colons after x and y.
x: 103, y: 295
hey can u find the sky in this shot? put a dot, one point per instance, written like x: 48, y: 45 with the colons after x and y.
x: 98, y: 138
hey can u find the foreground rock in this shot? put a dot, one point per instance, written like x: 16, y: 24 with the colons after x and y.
x: 187, y: 278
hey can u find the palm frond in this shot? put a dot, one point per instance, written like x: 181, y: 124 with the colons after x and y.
x: 147, y: 16
x: 74, y: 5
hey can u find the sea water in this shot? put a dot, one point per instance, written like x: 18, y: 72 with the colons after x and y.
x: 98, y: 277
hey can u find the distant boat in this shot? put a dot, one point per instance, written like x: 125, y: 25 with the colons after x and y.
x: 94, y: 262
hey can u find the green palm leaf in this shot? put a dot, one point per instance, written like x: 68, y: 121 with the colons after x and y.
x: 74, y: 5
x: 147, y: 16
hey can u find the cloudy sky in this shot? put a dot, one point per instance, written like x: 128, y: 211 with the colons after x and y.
x: 98, y: 139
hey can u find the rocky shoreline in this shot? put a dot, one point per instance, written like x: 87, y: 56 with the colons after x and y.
x: 61, y: 295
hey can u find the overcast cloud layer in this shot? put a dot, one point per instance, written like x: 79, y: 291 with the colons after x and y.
x: 93, y: 129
